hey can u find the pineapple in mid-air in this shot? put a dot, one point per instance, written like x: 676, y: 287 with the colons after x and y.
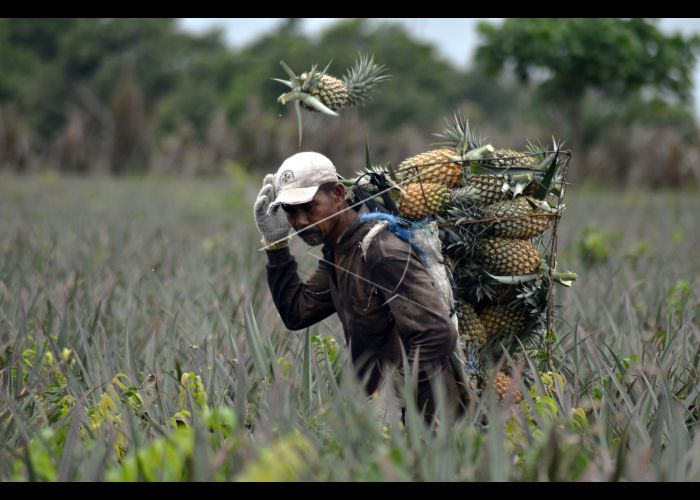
x: 317, y: 91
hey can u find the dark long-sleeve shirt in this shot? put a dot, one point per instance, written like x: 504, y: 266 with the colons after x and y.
x: 385, y: 300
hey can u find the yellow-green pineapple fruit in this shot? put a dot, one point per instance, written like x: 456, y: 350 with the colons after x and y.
x: 501, y: 321
x: 509, y: 257
x: 420, y: 200
x: 432, y: 167
x: 470, y: 327
x: 515, y: 219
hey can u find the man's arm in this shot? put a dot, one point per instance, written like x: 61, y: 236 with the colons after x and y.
x: 299, y: 304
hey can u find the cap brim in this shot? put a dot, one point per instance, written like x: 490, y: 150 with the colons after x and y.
x: 295, y: 196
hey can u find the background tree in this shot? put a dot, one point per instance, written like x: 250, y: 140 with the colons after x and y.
x: 124, y: 96
x: 569, y: 59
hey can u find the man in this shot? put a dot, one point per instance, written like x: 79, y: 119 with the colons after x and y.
x: 376, y: 283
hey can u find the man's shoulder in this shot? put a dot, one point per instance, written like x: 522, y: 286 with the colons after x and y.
x: 380, y: 243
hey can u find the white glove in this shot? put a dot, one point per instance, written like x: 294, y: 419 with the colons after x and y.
x: 271, y: 222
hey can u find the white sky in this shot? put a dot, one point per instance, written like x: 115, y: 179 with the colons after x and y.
x: 455, y: 38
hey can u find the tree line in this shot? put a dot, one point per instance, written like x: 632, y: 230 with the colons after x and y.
x: 128, y: 96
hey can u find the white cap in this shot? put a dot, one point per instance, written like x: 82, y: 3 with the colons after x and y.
x: 299, y: 177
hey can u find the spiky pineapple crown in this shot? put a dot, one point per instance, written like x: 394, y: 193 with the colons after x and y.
x: 361, y: 78
x: 459, y: 136
x: 537, y: 150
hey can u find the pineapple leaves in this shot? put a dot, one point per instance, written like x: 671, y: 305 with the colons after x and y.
x: 368, y: 162
x: 315, y: 103
x: 288, y: 70
x: 297, y: 108
x: 565, y: 279
x: 284, y: 82
x: 512, y: 280
x: 551, y: 166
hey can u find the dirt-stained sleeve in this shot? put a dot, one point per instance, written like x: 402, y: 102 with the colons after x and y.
x: 423, y: 323
x: 299, y: 304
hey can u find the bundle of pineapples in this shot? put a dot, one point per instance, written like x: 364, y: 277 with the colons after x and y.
x: 493, y: 207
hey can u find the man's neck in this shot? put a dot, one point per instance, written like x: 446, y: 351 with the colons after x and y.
x: 344, y: 218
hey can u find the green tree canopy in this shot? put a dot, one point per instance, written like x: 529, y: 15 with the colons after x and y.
x: 567, y: 58
x: 133, y: 94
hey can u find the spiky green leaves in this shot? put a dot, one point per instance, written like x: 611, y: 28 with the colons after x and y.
x: 361, y: 78
x: 459, y: 136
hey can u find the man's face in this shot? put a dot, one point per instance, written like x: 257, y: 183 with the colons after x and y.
x: 308, y: 215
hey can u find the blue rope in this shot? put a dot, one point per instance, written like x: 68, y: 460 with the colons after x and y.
x: 402, y: 228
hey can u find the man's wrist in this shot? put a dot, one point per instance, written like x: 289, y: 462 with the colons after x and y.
x: 278, y: 257
x: 275, y: 245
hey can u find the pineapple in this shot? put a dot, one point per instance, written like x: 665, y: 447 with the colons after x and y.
x: 509, y: 257
x: 317, y: 91
x: 505, y: 158
x: 484, y: 189
x: 470, y: 328
x: 505, y: 386
x: 432, y: 167
x: 314, y: 87
x: 515, y: 219
x: 420, y: 200
x: 500, y: 321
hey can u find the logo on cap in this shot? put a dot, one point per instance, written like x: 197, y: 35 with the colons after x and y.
x: 286, y: 177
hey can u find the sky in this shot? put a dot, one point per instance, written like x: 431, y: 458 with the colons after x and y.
x: 458, y: 49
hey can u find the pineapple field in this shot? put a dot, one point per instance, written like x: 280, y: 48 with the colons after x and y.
x: 138, y: 340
